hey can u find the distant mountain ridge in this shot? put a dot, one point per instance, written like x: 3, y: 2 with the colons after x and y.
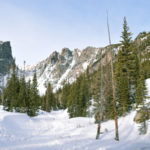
x: 67, y: 65
x: 63, y: 66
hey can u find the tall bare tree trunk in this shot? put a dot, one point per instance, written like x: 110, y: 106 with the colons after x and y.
x: 98, y: 129
x: 113, y: 87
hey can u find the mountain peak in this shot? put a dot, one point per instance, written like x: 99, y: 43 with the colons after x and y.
x: 6, y: 57
x: 66, y: 65
x: 66, y: 52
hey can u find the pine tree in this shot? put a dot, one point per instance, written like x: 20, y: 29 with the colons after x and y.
x: 34, y: 97
x: 22, y: 97
x: 126, y: 35
x: 28, y: 96
x: 49, y: 99
x: 143, y: 126
x: 133, y: 68
x: 140, y: 102
x: 83, y: 95
x: 71, y: 101
x: 141, y: 88
x: 99, y: 99
x: 122, y: 83
x: 11, y: 92
x: 65, y: 94
x: 78, y: 98
x: 126, y: 69
x: 141, y: 93
x: 108, y: 91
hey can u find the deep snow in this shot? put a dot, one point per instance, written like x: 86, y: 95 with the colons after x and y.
x: 55, y: 131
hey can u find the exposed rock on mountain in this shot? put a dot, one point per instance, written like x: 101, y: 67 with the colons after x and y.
x: 5, y: 57
x: 64, y: 67
x: 6, y: 60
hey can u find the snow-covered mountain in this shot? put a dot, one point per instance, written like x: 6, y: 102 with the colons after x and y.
x: 57, y: 69
x: 64, y: 66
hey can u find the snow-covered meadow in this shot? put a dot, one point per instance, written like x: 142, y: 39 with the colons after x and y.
x: 55, y: 131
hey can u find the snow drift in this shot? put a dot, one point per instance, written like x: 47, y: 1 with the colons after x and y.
x: 55, y: 131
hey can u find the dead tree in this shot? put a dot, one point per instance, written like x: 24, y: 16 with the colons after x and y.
x: 113, y: 86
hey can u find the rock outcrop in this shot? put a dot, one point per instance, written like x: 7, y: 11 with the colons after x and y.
x: 139, y: 116
x: 5, y: 57
x: 6, y: 60
x: 64, y: 66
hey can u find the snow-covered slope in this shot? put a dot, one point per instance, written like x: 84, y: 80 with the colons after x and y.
x: 64, y: 66
x: 55, y: 131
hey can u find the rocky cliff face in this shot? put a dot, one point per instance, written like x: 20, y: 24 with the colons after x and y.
x: 58, y: 68
x: 5, y: 60
x: 5, y: 57
x: 64, y: 66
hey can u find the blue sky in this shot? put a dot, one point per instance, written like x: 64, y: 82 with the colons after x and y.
x: 38, y: 27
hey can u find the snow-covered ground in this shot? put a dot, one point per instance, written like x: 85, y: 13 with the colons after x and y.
x: 55, y: 131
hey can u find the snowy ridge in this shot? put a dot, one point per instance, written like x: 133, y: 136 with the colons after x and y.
x: 62, y: 67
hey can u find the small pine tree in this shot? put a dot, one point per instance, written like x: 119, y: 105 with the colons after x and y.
x: 28, y: 96
x: 97, y: 96
x: 71, y: 101
x: 65, y: 94
x: 84, y: 96
x: 11, y: 92
x: 143, y: 125
x: 141, y: 88
x: 126, y: 35
x: 22, y: 97
x: 49, y: 99
x: 34, y: 97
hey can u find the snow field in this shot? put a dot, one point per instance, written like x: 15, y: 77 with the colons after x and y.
x: 55, y: 131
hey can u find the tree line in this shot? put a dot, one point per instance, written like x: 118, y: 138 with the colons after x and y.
x: 23, y: 96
